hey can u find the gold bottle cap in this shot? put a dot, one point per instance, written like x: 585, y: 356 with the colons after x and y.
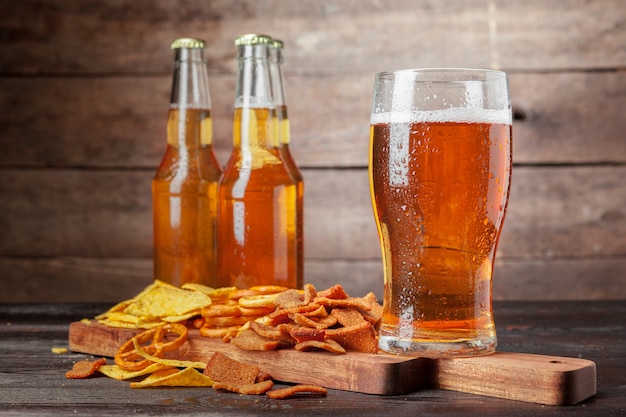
x: 277, y: 44
x: 188, y: 43
x: 253, y: 39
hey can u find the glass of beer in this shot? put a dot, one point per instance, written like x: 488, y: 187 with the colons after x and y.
x: 440, y: 171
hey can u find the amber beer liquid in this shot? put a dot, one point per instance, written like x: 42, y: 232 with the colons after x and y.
x: 184, y: 188
x: 185, y: 204
x: 440, y: 182
x: 258, y: 214
x: 258, y: 210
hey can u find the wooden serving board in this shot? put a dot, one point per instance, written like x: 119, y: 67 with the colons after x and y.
x: 540, y: 379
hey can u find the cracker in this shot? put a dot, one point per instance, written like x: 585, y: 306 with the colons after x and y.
x: 221, y: 368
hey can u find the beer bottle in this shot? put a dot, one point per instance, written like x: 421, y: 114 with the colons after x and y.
x: 184, y: 188
x: 258, y: 198
x: 284, y: 137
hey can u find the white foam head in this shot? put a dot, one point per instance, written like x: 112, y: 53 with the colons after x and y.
x: 455, y: 115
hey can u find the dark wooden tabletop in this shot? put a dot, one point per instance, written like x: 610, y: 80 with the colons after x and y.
x: 32, y: 378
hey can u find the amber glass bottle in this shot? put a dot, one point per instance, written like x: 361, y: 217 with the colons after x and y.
x: 184, y: 188
x: 284, y: 138
x: 258, y: 196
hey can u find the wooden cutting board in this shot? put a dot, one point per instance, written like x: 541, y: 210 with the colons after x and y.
x: 539, y: 379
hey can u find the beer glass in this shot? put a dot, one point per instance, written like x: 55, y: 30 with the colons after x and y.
x: 440, y: 170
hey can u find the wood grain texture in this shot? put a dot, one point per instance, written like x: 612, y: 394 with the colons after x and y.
x: 524, y: 377
x: 563, y: 238
x: 326, y: 36
x: 67, y: 279
x: 105, y: 122
x: 84, y: 89
x: 553, y: 212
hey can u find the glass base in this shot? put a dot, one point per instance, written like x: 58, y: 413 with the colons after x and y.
x: 437, y: 348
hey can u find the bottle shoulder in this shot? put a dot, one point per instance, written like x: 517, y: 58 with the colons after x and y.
x: 189, y: 165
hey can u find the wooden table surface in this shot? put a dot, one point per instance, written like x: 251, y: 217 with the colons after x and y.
x: 32, y: 378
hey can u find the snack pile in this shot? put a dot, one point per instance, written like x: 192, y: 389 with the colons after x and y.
x: 257, y: 318
x: 254, y: 319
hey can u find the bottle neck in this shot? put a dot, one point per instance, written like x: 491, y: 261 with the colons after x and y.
x: 190, y: 85
x: 277, y: 77
x: 255, y: 109
x: 189, y: 121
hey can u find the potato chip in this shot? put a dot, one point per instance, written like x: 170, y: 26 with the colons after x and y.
x: 268, y: 289
x: 122, y: 317
x: 194, y: 286
x: 162, y: 301
x: 221, y: 310
x: 179, y: 319
x: 116, y: 308
x: 222, y: 293
x: 257, y: 388
x: 263, y: 300
x: 227, y: 321
x: 216, y: 333
x: 188, y: 377
x: 125, y: 325
x: 115, y: 372
x: 256, y: 311
x: 164, y: 361
x: 236, y: 295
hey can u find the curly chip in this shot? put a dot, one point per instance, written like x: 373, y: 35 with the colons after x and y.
x: 348, y: 317
x: 270, y: 332
x: 290, y: 299
x: 250, y: 340
x: 335, y: 292
x: 344, y: 302
x: 359, y: 338
x: 309, y: 293
x: 282, y: 393
x: 84, y: 369
x: 304, y: 321
x: 302, y: 334
x: 329, y: 345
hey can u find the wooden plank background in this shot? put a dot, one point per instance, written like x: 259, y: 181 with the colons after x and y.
x: 84, y: 88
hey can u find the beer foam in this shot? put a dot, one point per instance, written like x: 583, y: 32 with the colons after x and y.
x: 454, y: 115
